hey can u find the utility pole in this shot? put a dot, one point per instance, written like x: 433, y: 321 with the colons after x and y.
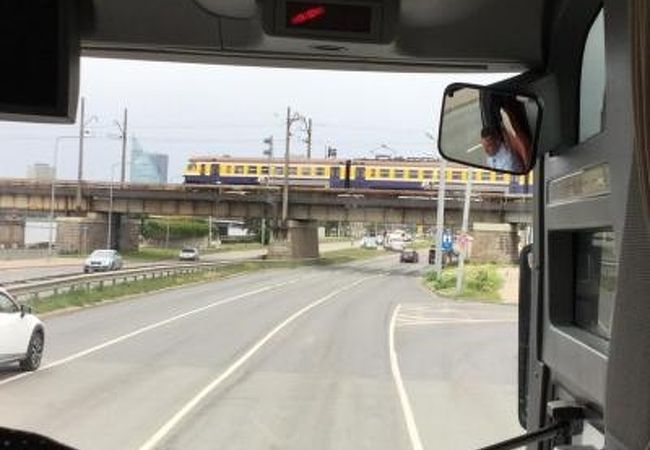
x: 285, y: 191
x: 124, y: 139
x: 440, y: 214
x: 463, y: 233
x: 80, y: 168
x: 308, y: 140
x: 209, y: 230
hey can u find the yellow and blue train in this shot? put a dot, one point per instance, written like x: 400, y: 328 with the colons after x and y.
x: 397, y: 174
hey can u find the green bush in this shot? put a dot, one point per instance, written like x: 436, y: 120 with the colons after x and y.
x: 156, y: 229
x: 480, y: 281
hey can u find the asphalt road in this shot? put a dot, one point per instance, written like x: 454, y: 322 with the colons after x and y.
x: 25, y: 269
x: 349, y: 357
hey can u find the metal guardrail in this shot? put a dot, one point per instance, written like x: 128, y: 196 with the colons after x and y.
x: 32, y: 291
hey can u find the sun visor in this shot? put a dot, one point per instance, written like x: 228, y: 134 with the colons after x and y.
x: 39, y: 45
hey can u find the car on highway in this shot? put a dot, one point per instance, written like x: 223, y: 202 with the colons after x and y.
x: 409, y: 256
x: 189, y: 254
x: 103, y: 260
x: 22, y: 335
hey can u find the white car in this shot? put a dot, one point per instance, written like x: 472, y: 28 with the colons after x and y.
x: 22, y: 335
x: 103, y: 260
x: 189, y: 254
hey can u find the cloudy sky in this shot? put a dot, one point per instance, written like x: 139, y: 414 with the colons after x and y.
x: 192, y: 109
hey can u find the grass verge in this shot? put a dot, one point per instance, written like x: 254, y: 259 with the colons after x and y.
x: 480, y: 282
x: 94, y: 295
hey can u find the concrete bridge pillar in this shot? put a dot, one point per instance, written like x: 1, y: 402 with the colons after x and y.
x: 12, y: 232
x: 87, y: 233
x: 298, y: 240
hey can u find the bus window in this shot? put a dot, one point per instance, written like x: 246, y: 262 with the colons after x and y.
x: 592, y: 81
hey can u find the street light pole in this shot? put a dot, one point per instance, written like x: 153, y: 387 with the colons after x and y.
x: 465, y: 226
x: 285, y: 191
x: 124, y: 138
x: 268, y: 152
x: 55, y: 159
x: 440, y: 212
x: 80, y: 162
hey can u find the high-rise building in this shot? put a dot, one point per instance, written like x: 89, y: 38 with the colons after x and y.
x: 41, y: 172
x: 147, y: 167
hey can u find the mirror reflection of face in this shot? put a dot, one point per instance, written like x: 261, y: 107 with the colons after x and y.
x: 490, y: 141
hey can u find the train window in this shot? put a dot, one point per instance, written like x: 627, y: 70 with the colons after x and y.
x: 499, y: 177
x: 414, y: 174
x: 384, y: 173
x: 320, y: 171
x: 227, y: 169
x: 456, y: 175
x: 485, y: 175
x: 278, y: 170
x: 191, y: 167
x: 592, y: 81
x: 239, y: 170
x: 264, y: 170
x: 293, y: 171
x: 305, y: 171
x: 202, y: 169
x: 252, y: 170
x: 398, y: 173
x: 372, y: 173
x: 427, y: 174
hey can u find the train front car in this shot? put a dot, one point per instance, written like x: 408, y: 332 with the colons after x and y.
x: 202, y: 171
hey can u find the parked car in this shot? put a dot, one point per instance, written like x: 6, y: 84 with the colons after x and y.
x: 189, y: 254
x: 103, y: 260
x: 409, y: 255
x: 22, y: 335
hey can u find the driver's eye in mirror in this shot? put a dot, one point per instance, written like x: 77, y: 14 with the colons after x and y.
x: 489, y: 129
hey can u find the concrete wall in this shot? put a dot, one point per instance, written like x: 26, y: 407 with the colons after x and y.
x: 12, y: 233
x: 81, y: 234
x: 303, y: 238
x: 85, y: 234
x: 495, y: 243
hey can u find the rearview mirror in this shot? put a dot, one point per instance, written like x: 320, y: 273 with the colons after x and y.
x: 489, y: 129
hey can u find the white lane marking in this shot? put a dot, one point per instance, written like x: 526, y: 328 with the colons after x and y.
x: 147, y: 328
x: 164, y: 430
x: 414, y: 435
x: 409, y: 321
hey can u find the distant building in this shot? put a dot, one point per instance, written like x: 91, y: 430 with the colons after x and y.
x: 41, y: 172
x: 147, y: 167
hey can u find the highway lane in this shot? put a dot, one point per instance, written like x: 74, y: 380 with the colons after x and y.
x: 25, y: 269
x: 320, y: 380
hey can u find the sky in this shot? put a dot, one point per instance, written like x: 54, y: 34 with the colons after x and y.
x: 188, y: 110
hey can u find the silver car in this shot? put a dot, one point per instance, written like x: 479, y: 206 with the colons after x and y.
x: 189, y: 254
x: 103, y: 260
